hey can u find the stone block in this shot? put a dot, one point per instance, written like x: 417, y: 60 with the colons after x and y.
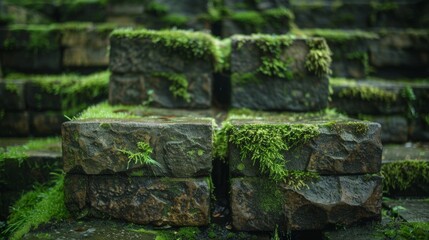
x: 337, y: 147
x: 281, y: 77
x: 37, y: 98
x: 85, y: 57
x: 260, y: 205
x: 46, y: 123
x: 182, y: 147
x: 12, y: 95
x: 31, y: 61
x: 157, y: 90
x: 14, y: 124
x: 368, y: 97
x: 157, y: 201
x: 84, y: 11
x: 130, y: 51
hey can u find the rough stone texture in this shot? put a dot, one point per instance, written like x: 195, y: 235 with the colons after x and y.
x: 332, y: 200
x: 14, y: 124
x: 394, y: 129
x: 183, y: 147
x: 12, y: 95
x: 339, y: 149
x: 135, y: 89
x: 158, y: 201
x: 415, y: 210
x: 130, y: 55
x: 401, y: 53
x: 272, y: 93
x: 355, y: 105
x: 46, y: 123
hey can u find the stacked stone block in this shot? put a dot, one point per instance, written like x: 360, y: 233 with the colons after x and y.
x: 344, y: 153
x: 274, y: 73
x: 102, y: 180
x: 172, y: 69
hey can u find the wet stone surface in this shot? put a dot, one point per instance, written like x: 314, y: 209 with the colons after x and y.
x: 157, y: 201
x: 260, y: 205
x: 182, y: 146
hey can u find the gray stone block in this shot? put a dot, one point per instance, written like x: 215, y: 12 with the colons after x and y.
x: 157, y: 201
x: 339, y: 148
x: 260, y: 205
x: 182, y: 146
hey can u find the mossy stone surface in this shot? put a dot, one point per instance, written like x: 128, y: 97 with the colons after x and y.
x: 331, y: 200
x: 92, y: 146
x: 141, y: 200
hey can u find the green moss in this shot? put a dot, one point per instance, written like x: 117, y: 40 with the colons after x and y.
x: 408, y: 94
x: 255, y: 21
x: 32, y: 37
x: 220, y: 141
x: 12, y: 87
x: 403, y: 230
x: 74, y: 90
x: 42, y: 205
x: 20, y: 153
x: 179, y: 84
x: 333, y: 35
x: 177, y: 20
x: 142, y: 156
x: 364, y: 92
x: 265, y: 144
x: 186, y: 43
x: 383, y: 6
x: 404, y: 174
x: 224, y: 53
x: 318, y: 59
x: 252, y: 18
x: 269, y: 197
x: 244, y: 78
x: 104, y: 110
x: 156, y: 8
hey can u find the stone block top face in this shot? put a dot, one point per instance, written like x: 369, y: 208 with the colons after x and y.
x: 280, y: 57
x: 169, y: 51
x: 139, y: 147
x: 274, y: 148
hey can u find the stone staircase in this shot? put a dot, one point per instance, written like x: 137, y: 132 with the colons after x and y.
x: 223, y: 131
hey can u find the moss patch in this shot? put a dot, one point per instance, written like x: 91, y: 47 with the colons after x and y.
x: 20, y: 153
x: 364, y: 92
x: 104, y: 110
x: 404, y: 174
x: 403, y: 230
x: 269, y: 197
x: 42, y: 205
x: 336, y: 35
x: 319, y: 57
x: 179, y: 84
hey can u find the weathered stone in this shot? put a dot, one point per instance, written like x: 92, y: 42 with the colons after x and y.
x: 181, y: 146
x: 158, y: 201
x: 85, y: 57
x: 368, y: 97
x: 130, y: 55
x: 136, y: 89
x: 409, y: 151
x: 258, y: 205
x: 38, y: 98
x: 14, y: 124
x: 394, y: 129
x: 273, y: 92
x: 341, y: 147
x: 46, y: 123
x: 12, y: 95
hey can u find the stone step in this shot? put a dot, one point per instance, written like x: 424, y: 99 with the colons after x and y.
x: 36, y: 104
x: 279, y: 73
x: 411, y: 210
x: 398, y: 105
x: 405, y: 169
x: 385, y: 53
x: 55, y: 47
x: 359, y: 14
x: 23, y: 163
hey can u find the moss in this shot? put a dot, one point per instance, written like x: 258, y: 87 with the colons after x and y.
x: 383, y: 6
x: 403, y: 230
x: 265, y: 144
x: 42, y: 205
x: 255, y: 21
x: 340, y: 36
x: 402, y: 175
x: 252, y: 18
x: 104, y: 110
x: 142, y: 156
x: 364, y: 92
x: 410, y: 97
x: 269, y: 197
x: 318, y: 59
x: 220, y: 141
x: 224, y: 53
x: 74, y: 90
x: 244, y: 78
x: 177, y: 20
x: 12, y: 87
x: 37, y: 37
x: 20, y: 153
x: 189, y: 44
x: 179, y: 84
x: 156, y: 8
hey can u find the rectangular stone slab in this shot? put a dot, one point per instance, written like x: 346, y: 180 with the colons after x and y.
x: 304, y: 91
x: 182, y: 146
x: 158, y: 201
x: 260, y: 205
x: 137, y: 88
x: 341, y: 147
